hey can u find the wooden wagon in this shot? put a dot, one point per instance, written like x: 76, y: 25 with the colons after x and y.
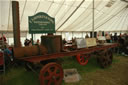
x: 52, y: 73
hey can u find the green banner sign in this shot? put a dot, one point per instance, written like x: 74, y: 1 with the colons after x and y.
x: 41, y: 23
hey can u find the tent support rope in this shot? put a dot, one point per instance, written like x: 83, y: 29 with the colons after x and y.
x: 70, y: 15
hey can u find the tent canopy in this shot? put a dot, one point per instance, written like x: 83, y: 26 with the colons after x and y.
x: 70, y: 15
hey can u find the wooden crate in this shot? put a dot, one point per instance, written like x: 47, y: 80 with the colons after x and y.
x: 53, y: 43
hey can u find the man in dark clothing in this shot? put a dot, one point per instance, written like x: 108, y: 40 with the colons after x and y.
x: 115, y: 37
x: 26, y: 42
x: 121, y: 42
x: 64, y: 41
x: 126, y: 45
x: 115, y: 40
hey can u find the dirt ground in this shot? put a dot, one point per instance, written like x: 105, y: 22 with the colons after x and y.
x: 117, y: 74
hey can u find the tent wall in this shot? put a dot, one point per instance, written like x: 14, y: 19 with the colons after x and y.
x: 70, y: 15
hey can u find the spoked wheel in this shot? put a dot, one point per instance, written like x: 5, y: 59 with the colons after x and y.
x: 110, y: 56
x: 51, y: 74
x: 106, y: 59
x: 82, y: 59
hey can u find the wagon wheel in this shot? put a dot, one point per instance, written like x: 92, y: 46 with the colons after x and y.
x: 82, y: 59
x: 110, y: 56
x: 106, y: 59
x: 51, y: 74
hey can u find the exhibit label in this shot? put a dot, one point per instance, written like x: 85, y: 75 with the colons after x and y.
x: 41, y: 23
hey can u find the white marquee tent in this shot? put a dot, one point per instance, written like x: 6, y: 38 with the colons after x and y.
x: 72, y: 17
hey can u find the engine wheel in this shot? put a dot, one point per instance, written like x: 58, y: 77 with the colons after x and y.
x: 51, y: 74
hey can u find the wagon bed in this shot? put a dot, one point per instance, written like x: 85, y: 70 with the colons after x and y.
x: 70, y: 53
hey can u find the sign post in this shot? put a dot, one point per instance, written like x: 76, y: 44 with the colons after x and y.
x: 41, y: 23
x: 32, y: 39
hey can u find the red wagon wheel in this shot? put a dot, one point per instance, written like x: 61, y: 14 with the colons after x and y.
x: 51, y: 74
x: 82, y: 59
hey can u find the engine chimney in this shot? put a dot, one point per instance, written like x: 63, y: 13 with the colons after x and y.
x: 16, y: 23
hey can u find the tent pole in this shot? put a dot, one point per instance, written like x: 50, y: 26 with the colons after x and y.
x: 72, y: 34
x: 82, y: 34
x: 93, y: 12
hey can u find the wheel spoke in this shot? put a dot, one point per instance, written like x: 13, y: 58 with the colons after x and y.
x: 55, y: 81
x: 82, y: 59
x: 49, y: 71
x: 50, y: 82
x: 47, y: 77
x: 55, y: 70
x: 57, y: 74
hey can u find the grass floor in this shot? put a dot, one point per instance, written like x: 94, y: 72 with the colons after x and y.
x: 19, y: 75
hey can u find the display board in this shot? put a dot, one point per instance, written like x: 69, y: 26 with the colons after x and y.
x: 41, y: 23
x: 90, y: 42
x: 80, y: 42
x: 101, y: 38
